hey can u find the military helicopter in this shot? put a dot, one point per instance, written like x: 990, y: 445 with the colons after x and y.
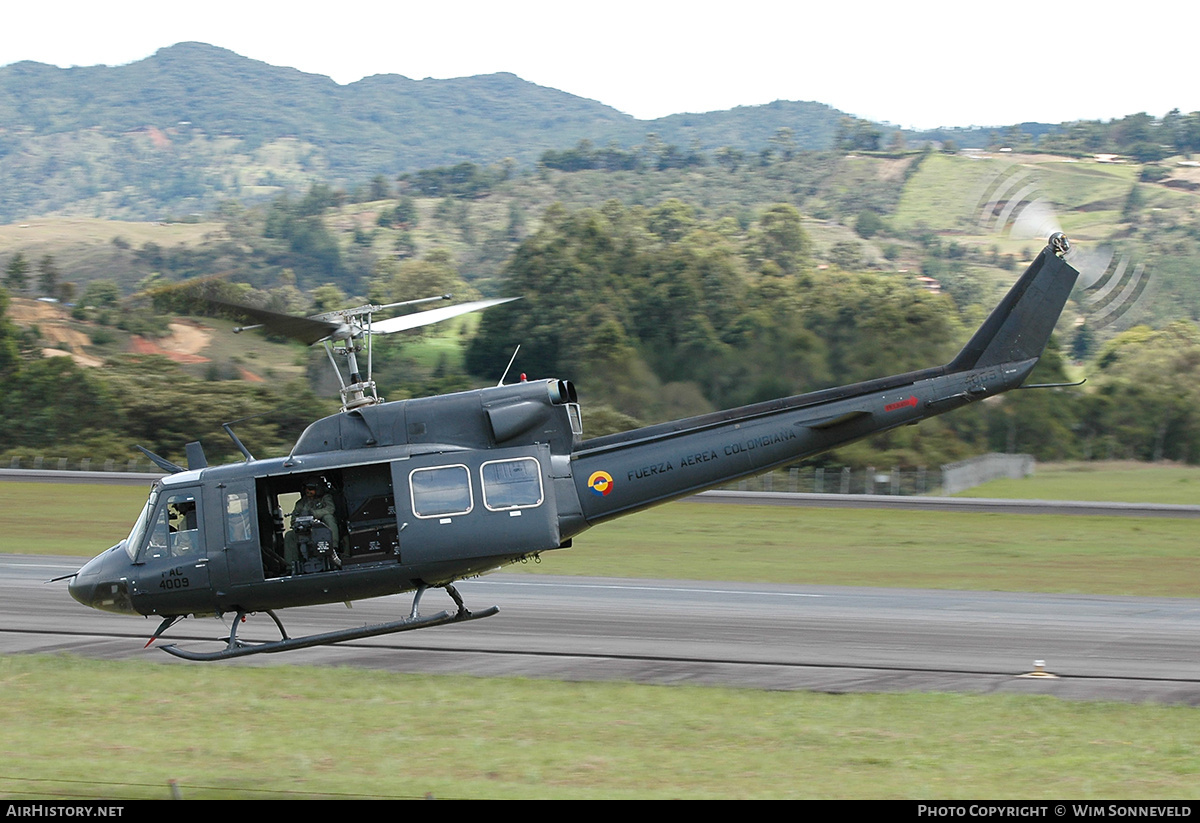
x: 420, y: 493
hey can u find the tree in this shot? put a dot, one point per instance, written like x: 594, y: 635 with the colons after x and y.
x: 671, y: 220
x: 1134, y: 202
x: 328, y: 297
x: 101, y: 294
x: 868, y: 224
x: 8, y: 344
x: 1083, y: 342
x: 857, y: 135
x: 784, y: 142
x: 82, y: 405
x: 846, y: 255
x: 782, y: 239
x: 379, y: 188
x: 413, y: 279
x: 48, y: 277
x: 1148, y: 393
x: 16, y: 273
x: 730, y: 158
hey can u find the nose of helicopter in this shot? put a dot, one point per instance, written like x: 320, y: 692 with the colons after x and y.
x: 103, y: 583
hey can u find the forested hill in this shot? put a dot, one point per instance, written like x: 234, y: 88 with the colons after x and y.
x: 194, y: 124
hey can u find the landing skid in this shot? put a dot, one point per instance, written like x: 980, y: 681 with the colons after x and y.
x: 239, y: 648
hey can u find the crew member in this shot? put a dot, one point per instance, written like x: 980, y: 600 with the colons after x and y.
x: 319, y: 506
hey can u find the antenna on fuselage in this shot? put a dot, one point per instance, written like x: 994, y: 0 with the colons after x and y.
x: 509, y: 366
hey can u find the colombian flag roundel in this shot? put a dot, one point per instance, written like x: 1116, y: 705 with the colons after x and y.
x: 600, y: 483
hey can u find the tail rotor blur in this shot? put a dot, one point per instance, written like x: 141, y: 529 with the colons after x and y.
x: 1113, y: 281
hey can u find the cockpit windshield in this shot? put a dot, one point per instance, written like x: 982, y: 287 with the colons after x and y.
x: 169, y: 526
x: 139, y: 527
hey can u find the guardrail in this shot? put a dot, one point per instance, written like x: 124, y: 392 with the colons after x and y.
x: 63, y: 464
x: 842, y: 480
x: 51, y: 476
x: 895, y: 481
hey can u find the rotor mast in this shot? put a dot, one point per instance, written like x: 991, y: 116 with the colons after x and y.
x: 355, y: 324
x: 343, y: 330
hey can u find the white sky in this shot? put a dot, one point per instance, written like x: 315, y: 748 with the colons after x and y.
x: 914, y: 63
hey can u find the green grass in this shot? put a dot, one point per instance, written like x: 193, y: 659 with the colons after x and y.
x: 1087, y: 196
x: 83, y: 247
x: 924, y: 549
x: 1104, y: 482
x: 66, y: 518
x: 925, y: 201
x: 445, y: 341
x: 83, y: 728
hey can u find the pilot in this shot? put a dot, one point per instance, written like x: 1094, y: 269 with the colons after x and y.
x: 181, y: 521
x: 320, y: 506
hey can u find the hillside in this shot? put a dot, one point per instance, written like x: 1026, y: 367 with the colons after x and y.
x: 663, y: 292
x: 929, y: 208
x: 193, y: 124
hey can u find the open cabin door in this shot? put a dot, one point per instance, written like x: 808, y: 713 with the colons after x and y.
x: 459, y: 505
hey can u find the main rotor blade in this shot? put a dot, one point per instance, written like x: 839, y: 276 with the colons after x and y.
x: 425, y: 318
x: 305, y: 329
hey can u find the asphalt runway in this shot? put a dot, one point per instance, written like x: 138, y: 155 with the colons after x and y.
x: 820, y: 638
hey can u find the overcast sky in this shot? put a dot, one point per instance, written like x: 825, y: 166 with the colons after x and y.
x: 912, y: 63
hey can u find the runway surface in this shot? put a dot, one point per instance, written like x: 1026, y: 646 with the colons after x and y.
x: 822, y: 638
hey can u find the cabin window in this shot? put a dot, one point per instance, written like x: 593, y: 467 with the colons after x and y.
x: 511, y: 484
x: 441, y: 491
x: 175, y: 530
x: 237, y: 517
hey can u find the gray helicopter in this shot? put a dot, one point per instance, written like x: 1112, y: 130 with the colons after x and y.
x: 390, y: 497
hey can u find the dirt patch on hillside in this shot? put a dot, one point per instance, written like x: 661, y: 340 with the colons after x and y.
x: 56, y: 327
x: 68, y: 336
x: 1189, y: 175
x: 26, y: 312
x: 183, y: 345
x: 894, y: 169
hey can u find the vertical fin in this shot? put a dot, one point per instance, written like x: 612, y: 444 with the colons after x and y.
x: 1019, y: 328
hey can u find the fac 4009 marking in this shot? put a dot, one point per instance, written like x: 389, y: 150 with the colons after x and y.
x: 174, y: 579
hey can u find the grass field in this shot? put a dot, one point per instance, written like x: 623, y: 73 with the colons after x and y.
x: 76, y: 728
x: 122, y: 730
x: 1087, y: 196
x: 1114, y: 482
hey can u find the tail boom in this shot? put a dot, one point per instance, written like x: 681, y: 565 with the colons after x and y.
x: 633, y: 470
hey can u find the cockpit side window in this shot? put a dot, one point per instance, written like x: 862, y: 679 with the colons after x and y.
x: 175, y: 527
